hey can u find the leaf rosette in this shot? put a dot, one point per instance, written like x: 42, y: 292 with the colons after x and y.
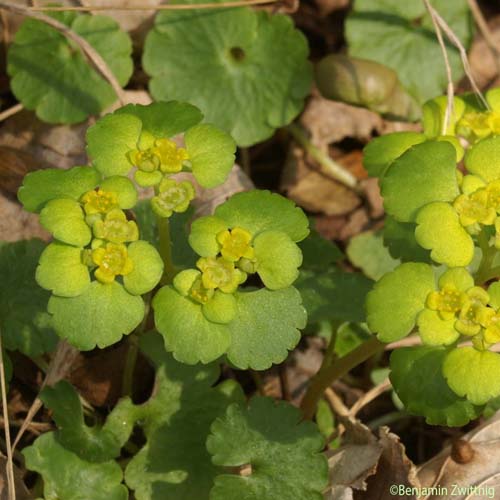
x: 206, y: 313
x: 454, y: 309
x: 145, y: 143
x: 96, y: 267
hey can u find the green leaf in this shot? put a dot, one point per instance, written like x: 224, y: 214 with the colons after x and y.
x: 266, y: 326
x: 230, y: 50
x: 100, y: 316
x: 24, y: 322
x: 382, y: 151
x: 434, y: 330
x: 483, y: 158
x: 349, y: 336
x: 258, y: 211
x: 203, y: 235
x: 283, y: 452
x: 494, y: 293
x: 399, y: 237
x: 367, y: 252
x: 424, y: 174
x: 98, y: 443
x: 148, y: 268
x: 416, y: 375
x: 333, y: 295
x: 318, y: 253
x: 473, y: 374
x: 397, y: 298
x: 403, y: 38
x: 51, y: 75
x: 64, y: 218
x: 278, y: 259
x: 44, y: 185
x: 211, y: 153
x: 62, y: 271
x: 187, y: 333
x: 164, y: 119
x: 448, y: 241
x: 174, y: 463
x: 68, y: 477
x: 109, y: 141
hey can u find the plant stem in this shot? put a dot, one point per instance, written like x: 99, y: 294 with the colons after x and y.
x: 485, y: 271
x: 328, y: 167
x: 133, y: 351
x: 329, y: 372
x: 166, y: 250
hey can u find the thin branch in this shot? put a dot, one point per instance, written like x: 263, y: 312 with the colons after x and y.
x: 10, y: 463
x: 212, y: 5
x: 461, y: 49
x: 450, y: 89
x: 87, y: 49
x: 11, y: 111
x: 485, y: 31
x: 369, y: 397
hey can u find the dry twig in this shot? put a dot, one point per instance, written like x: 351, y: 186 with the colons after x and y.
x: 11, y: 111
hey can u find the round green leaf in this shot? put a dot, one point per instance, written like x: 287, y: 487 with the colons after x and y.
x: 109, y: 141
x: 187, y: 333
x: 24, y: 322
x: 51, y: 75
x: 65, y: 220
x: 440, y: 231
x: 266, y: 326
x: 221, y: 308
x: 416, y: 375
x: 278, y: 259
x: 44, y: 185
x: 401, y: 36
x: 483, y: 158
x: 473, y: 374
x: 62, y: 271
x: 397, y: 298
x: 382, y: 151
x: 494, y: 293
x: 211, y: 153
x: 367, y: 252
x: 203, y: 236
x: 68, y: 477
x: 333, y: 295
x: 434, y: 330
x: 258, y: 211
x: 283, y: 453
x: 399, y: 237
x: 229, y: 51
x: 124, y: 189
x: 174, y: 463
x: 424, y: 174
x: 164, y: 119
x: 100, y: 316
x: 148, y: 268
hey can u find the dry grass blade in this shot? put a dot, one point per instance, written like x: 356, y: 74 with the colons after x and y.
x: 11, y: 111
x: 372, y: 394
x: 10, y: 464
x: 87, y: 49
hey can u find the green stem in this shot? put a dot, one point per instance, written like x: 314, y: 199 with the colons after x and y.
x: 133, y: 351
x: 485, y: 271
x: 166, y: 250
x: 329, y: 372
x: 328, y: 166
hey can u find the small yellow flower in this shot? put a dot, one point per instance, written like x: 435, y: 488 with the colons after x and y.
x: 474, y: 208
x: 199, y: 293
x: 235, y: 244
x: 112, y: 260
x: 116, y: 228
x: 173, y: 196
x: 99, y: 202
x: 171, y: 157
x: 220, y: 273
x: 474, y: 313
x: 147, y: 160
x: 477, y: 123
x: 448, y: 301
